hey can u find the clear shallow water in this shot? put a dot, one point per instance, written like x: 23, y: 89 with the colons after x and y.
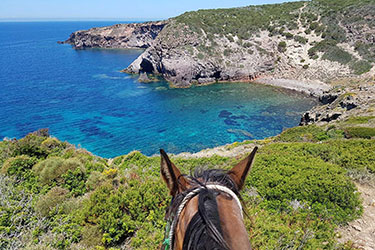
x: 83, y: 98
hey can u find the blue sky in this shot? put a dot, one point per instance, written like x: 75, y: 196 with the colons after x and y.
x: 112, y: 9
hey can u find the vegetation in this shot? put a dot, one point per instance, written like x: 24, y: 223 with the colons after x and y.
x: 55, y: 196
x: 329, y: 20
x: 360, y: 132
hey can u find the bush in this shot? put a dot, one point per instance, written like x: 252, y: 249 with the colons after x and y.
x: 19, y: 166
x: 301, y: 39
x: 52, y: 169
x: 17, y: 215
x: 310, y: 133
x: 361, y: 67
x: 47, y: 205
x: 337, y: 54
x: 281, y: 46
x: 314, y: 26
x: 288, y: 35
x: 53, y: 145
x: 281, y: 177
x: 30, y: 145
x: 75, y: 181
x: 360, y: 132
x: 119, y: 213
x: 322, y: 46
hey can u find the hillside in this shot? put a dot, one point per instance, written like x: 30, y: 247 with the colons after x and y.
x: 317, y: 41
x: 300, y: 190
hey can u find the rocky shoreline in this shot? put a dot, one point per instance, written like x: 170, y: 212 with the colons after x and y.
x: 119, y: 36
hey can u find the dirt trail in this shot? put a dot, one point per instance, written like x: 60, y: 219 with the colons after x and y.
x: 362, y: 231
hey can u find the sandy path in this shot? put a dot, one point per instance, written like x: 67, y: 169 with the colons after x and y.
x: 362, y: 231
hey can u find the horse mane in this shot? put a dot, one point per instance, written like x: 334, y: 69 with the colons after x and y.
x: 204, y: 230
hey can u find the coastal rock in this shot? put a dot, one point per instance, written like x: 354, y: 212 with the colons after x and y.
x: 121, y: 36
x: 183, y: 67
x: 143, y: 78
x: 339, y: 104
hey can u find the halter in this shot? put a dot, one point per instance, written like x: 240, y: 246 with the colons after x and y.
x: 169, y: 241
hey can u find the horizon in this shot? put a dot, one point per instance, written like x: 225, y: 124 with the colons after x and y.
x: 113, y: 10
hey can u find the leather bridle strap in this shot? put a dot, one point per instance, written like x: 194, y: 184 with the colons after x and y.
x: 193, y: 193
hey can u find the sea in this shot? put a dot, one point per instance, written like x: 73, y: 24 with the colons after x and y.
x: 83, y: 98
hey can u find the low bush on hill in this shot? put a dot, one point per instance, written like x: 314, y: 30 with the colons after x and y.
x: 360, y: 132
x: 296, y: 195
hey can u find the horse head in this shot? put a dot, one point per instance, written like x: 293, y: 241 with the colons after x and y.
x: 205, y: 211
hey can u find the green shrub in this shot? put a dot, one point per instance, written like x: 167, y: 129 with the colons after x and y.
x: 47, y: 205
x: 310, y: 133
x: 119, y: 213
x: 53, y: 145
x: 281, y: 47
x: 360, y: 132
x: 288, y: 35
x: 337, y: 54
x: 51, y: 169
x: 17, y: 214
x: 281, y: 178
x: 19, y: 165
x: 322, y: 46
x: 30, y: 145
x: 75, y: 181
x: 361, y: 67
x: 301, y: 39
x: 314, y: 26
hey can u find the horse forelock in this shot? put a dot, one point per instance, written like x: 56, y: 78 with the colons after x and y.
x: 204, y: 230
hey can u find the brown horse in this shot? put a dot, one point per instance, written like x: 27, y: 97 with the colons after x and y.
x: 205, y: 212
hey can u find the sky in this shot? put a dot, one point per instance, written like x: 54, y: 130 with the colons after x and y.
x: 112, y: 9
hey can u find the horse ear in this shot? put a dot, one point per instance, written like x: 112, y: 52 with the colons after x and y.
x: 241, y: 170
x: 175, y: 181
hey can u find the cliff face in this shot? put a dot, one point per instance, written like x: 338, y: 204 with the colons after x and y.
x: 315, y: 41
x: 121, y: 36
x: 176, y: 55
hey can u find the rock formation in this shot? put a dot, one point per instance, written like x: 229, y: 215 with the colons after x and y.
x: 120, y: 36
x: 340, y: 103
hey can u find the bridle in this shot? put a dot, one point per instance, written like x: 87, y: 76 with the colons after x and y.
x: 168, y: 242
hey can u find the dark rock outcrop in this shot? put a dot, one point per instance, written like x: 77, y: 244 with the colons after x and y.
x: 339, y: 104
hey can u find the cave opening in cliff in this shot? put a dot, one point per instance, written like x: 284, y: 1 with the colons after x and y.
x: 146, y: 66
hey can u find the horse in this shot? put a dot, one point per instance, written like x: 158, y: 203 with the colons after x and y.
x: 205, y: 211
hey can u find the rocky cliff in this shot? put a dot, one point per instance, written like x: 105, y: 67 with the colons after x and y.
x: 315, y: 41
x: 121, y: 36
x: 348, y: 98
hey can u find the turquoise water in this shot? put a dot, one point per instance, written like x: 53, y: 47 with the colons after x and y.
x: 81, y: 96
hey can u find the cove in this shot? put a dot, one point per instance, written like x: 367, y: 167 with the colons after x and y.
x: 81, y: 96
